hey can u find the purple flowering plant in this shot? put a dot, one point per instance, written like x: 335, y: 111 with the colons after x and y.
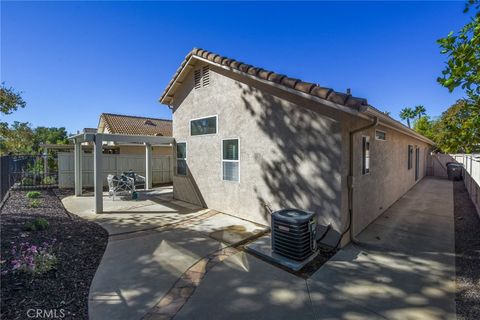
x: 34, y: 259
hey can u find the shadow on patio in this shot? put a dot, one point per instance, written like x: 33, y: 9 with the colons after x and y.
x: 153, y: 208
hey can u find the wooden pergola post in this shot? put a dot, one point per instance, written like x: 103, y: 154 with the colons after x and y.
x: 148, y: 166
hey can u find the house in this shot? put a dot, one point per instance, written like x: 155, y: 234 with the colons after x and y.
x: 134, y: 125
x: 249, y: 140
x: 120, y: 156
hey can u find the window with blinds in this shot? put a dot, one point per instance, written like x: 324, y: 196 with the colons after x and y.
x: 365, y: 155
x: 230, y: 160
x: 410, y: 157
x: 182, y: 158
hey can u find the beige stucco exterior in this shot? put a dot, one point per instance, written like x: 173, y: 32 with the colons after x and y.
x: 294, y: 152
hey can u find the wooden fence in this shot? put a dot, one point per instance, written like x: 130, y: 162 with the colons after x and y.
x: 162, y: 168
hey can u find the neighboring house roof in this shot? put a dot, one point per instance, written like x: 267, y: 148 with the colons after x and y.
x: 270, y: 76
x: 123, y: 124
x: 90, y: 130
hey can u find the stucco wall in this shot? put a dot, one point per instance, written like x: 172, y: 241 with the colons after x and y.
x: 293, y: 153
x: 389, y: 176
x: 289, y: 155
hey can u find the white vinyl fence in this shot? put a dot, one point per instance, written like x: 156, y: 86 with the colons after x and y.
x: 471, y: 163
x: 162, y: 167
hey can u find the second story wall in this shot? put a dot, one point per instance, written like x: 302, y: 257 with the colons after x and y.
x: 290, y: 150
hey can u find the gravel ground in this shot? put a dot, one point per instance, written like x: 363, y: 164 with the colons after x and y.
x: 79, y: 248
x: 467, y: 248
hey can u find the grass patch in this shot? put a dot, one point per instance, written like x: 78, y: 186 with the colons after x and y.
x: 34, y: 203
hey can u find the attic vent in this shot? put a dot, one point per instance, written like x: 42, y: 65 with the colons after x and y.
x: 206, y: 76
x: 198, y: 79
x: 149, y: 123
x: 201, y: 77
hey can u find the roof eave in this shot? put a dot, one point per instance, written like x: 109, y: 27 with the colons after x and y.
x: 189, y: 64
x: 396, y: 125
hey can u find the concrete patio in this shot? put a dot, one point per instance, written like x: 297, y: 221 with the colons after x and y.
x: 404, y: 267
x: 153, y: 240
x: 403, y: 270
x: 153, y: 208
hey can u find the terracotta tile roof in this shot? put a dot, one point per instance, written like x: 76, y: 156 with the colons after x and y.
x: 122, y: 124
x: 296, y: 84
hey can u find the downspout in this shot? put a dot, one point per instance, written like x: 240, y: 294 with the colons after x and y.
x: 350, y: 179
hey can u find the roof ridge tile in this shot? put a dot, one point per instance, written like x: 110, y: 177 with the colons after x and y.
x: 293, y: 83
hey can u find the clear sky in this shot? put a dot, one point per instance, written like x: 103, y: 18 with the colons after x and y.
x: 74, y: 60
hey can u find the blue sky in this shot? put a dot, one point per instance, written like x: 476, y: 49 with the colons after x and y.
x: 74, y: 60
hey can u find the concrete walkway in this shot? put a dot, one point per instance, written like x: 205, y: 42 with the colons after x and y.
x: 152, y: 242
x: 406, y: 270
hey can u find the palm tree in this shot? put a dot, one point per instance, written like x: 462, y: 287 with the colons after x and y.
x: 407, y: 114
x: 419, y: 111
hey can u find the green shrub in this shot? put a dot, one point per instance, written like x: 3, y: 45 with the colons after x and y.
x: 33, y: 194
x: 37, y: 225
x: 49, y: 180
x: 27, y: 181
x: 35, y: 203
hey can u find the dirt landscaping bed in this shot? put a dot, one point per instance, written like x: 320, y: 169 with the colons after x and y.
x: 74, y: 245
x: 467, y: 249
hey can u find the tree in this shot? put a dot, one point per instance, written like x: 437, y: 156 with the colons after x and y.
x: 20, y: 138
x: 10, y: 100
x: 458, y: 129
x: 425, y: 126
x: 419, y: 111
x: 50, y: 135
x: 463, y: 51
x: 407, y: 114
x: 17, y: 139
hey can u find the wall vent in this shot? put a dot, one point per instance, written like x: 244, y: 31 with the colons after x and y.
x: 201, y: 77
x: 205, y: 76
x: 197, y: 79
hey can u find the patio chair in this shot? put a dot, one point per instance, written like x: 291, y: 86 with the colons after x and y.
x: 120, y: 185
x: 138, y: 180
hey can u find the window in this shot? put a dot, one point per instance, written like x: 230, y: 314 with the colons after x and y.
x: 365, y: 155
x: 182, y: 158
x: 230, y: 160
x: 203, y: 126
x: 410, y: 157
x: 201, y: 77
x: 380, y: 135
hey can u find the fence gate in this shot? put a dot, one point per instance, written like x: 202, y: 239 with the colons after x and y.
x: 27, y: 172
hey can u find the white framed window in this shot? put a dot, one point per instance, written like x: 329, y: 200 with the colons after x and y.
x: 181, y: 159
x: 365, y: 154
x: 231, y: 159
x: 380, y: 135
x: 204, y: 126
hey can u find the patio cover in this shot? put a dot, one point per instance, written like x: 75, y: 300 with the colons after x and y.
x: 98, y: 139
